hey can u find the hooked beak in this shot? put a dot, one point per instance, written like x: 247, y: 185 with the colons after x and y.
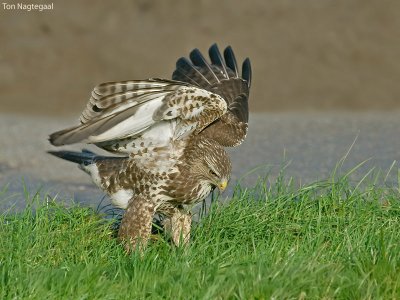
x: 222, y: 185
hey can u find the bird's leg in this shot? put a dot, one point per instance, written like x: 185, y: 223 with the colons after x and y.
x: 179, y: 226
x: 136, y: 223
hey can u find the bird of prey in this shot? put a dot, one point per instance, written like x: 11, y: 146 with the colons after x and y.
x: 171, y: 135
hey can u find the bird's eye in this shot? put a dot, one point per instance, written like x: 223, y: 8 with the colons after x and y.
x: 213, y: 173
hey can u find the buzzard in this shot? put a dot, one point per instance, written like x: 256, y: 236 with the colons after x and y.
x: 171, y: 135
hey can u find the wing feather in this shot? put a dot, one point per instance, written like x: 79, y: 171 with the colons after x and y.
x: 246, y: 71
x: 106, y: 98
x: 203, y: 98
x: 223, y: 79
x: 182, y: 76
x: 113, y: 118
x: 217, y: 60
x: 231, y: 60
x: 199, y: 61
x: 186, y: 67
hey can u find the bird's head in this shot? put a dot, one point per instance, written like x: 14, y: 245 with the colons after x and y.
x: 214, y: 166
x: 217, y: 173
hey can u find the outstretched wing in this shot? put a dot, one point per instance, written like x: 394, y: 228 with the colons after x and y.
x: 221, y: 77
x: 124, y: 110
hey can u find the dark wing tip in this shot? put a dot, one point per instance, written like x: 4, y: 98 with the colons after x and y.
x: 230, y: 60
x: 187, y: 72
x: 184, y: 63
x: 246, y: 71
x: 205, y: 73
x: 215, y: 55
x: 197, y: 58
x: 216, y: 58
x: 204, y: 66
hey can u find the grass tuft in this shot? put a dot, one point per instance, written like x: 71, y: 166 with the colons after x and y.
x: 329, y: 239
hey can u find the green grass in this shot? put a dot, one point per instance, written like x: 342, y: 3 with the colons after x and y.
x: 324, y: 240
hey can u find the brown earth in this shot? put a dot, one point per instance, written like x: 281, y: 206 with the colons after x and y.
x: 308, y: 55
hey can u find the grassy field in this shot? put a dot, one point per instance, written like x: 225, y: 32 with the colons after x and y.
x: 326, y: 240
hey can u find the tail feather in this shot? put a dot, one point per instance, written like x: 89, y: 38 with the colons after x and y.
x: 84, y: 158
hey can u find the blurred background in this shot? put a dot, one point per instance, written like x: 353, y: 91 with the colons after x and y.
x: 326, y: 80
x: 307, y: 55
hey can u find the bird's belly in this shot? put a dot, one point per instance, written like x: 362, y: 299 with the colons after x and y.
x: 121, y: 198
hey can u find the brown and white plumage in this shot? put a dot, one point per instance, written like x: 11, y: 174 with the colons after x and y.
x: 172, y: 133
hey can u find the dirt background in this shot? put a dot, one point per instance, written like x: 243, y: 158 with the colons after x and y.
x: 334, y: 61
x: 306, y: 55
